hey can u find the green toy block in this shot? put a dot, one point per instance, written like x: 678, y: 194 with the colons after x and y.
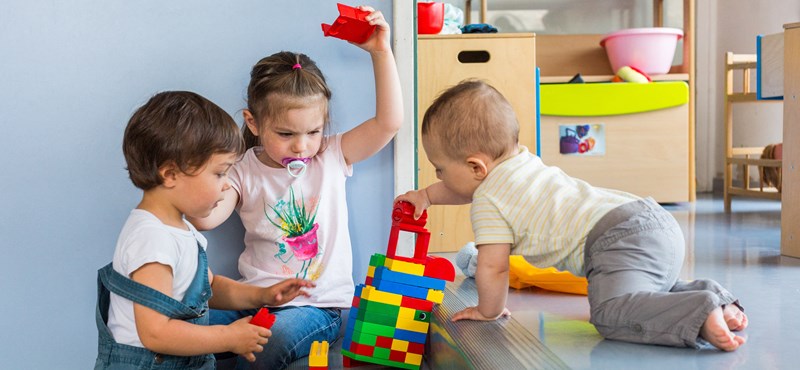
x: 364, y: 338
x: 376, y: 329
x: 377, y: 260
x: 382, y: 308
x: 382, y: 353
x: 377, y: 318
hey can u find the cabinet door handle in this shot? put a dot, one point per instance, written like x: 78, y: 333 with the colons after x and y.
x: 474, y: 56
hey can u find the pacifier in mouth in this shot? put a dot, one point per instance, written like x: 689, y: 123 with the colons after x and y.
x: 296, y: 166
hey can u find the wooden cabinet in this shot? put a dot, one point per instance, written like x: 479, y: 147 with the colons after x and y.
x: 668, y: 174
x: 505, y: 61
x: 790, y: 201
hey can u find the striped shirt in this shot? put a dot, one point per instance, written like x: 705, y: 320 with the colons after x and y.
x: 542, y: 212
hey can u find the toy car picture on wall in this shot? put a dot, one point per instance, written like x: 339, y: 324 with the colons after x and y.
x: 582, y: 139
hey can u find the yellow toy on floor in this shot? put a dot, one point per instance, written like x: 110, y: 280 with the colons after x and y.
x: 521, y: 275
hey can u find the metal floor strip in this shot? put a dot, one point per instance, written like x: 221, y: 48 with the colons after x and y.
x: 501, y: 344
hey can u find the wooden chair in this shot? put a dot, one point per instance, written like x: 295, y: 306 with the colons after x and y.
x: 744, y: 157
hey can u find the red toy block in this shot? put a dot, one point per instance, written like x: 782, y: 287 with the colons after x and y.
x: 351, y: 25
x: 397, y: 356
x: 403, y: 219
x: 350, y: 362
x: 439, y: 268
x: 417, y: 304
x: 383, y: 342
x: 417, y: 348
x: 403, y: 213
x: 362, y: 349
x: 263, y: 318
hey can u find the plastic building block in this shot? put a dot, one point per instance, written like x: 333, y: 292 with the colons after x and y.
x: 351, y: 25
x: 413, y: 359
x: 380, y: 308
x: 399, y: 265
x: 263, y: 318
x: 382, y: 273
x: 318, y: 356
x: 416, y: 315
x: 350, y: 362
x: 436, y: 296
x: 399, y: 345
x: 364, y: 360
x: 411, y: 325
x: 403, y: 219
x: 377, y: 260
x: 381, y: 353
x: 439, y: 268
x: 417, y: 304
x: 375, y: 329
x: 410, y: 336
x: 371, y: 294
x: 402, y: 289
x: 399, y: 356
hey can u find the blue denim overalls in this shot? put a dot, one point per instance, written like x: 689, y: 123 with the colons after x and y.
x: 193, y: 308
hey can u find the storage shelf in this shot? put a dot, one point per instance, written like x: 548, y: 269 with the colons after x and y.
x: 740, y: 156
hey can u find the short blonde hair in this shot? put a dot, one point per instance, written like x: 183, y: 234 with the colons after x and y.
x: 472, y: 117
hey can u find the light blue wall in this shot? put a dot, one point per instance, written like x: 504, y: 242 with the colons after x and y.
x: 71, y: 73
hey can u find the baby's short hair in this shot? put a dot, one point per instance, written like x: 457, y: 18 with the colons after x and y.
x: 472, y: 117
x: 179, y: 127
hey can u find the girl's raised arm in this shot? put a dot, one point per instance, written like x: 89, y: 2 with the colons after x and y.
x: 373, y: 134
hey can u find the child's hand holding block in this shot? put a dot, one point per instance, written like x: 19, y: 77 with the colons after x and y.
x: 263, y: 318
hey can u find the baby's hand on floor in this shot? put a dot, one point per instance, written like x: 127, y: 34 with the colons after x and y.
x: 472, y: 313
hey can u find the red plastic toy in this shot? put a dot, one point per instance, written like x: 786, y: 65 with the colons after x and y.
x: 263, y: 318
x: 351, y: 25
x: 403, y: 219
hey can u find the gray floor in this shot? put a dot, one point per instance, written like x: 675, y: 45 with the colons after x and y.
x: 740, y: 250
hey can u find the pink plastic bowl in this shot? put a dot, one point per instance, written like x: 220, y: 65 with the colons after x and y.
x: 648, y: 49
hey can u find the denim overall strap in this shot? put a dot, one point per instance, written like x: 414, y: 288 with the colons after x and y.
x: 199, y: 291
x: 193, y: 308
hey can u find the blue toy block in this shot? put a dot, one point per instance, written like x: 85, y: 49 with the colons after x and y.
x: 402, y: 289
x: 410, y: 336
x: 383, y: 273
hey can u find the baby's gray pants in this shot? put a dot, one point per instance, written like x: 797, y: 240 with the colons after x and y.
x: 633, y: 257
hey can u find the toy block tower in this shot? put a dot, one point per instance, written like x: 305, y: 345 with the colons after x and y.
x: 391, y: 311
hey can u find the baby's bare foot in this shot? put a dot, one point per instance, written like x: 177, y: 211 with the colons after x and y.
x: 715, y: 330
x: 734, y: 317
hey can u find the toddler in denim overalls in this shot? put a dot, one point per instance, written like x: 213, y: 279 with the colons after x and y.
x: 193, y: 308
x: 178, y: 148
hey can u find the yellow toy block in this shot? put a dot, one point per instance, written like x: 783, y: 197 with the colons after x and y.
x: 413, y: 359
x: 371, y: 294
x: 407, y: 313
x: 405, y: 267
x: 318, y: 355
x: 435, y: 296
x: 400, y: 345
x: 411, y: 325
x: 371, y: 271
